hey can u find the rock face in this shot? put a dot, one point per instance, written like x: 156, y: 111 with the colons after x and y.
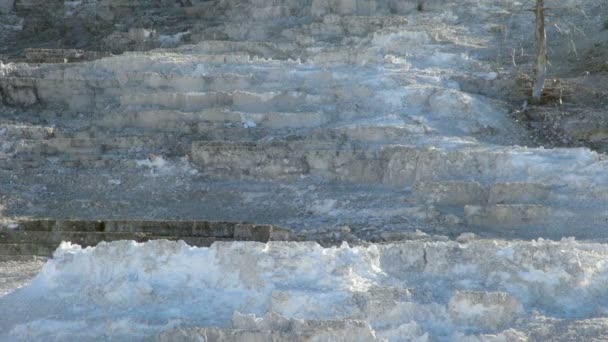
x: 279, y: 110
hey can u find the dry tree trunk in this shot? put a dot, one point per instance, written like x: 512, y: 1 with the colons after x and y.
x: 541, y: 51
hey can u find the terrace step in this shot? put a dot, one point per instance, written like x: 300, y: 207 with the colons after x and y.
x: 389, y: 164
x: 287, y: 160
x: 222, y: 47
x: 16, y: 249
x: 41, y: 237
x: 23, y: 258
x: 186, y: 228
x: 104, y: 146
x: 506, y: 215
x: 238, y: 100
x: 25, y: 131
x: 460, y: 193
x: 189, y: 122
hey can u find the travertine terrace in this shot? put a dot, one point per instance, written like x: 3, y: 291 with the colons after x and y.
x: 387, y: 125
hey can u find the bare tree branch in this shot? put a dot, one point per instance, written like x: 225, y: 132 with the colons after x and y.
x: 541, y: 51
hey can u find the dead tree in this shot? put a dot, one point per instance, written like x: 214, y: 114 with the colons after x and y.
x: 541, y: 51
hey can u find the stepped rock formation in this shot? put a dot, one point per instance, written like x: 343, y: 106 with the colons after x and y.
x: 363, y: 121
